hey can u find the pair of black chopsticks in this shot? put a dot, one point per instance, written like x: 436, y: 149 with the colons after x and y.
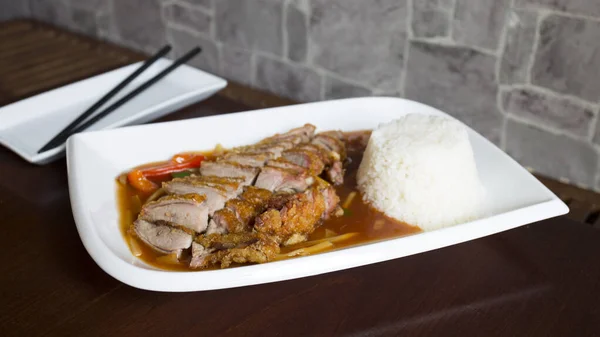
x: 74, y: 127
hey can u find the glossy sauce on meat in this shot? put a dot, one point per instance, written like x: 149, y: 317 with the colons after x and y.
x: 369, y: 224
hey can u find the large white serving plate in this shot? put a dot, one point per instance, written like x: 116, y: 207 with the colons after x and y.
x: 27, y: 125
x: 514, y: 196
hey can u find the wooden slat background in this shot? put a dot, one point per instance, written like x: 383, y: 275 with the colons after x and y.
x: 36, y: 57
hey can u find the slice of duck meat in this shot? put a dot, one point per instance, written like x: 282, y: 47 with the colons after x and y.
x: 279, y: 179
x: 248, y: 159
x: 325, y: 155
x: 335, y: 173
x: 229, y: 169
x: 306, y: 159
x: 306, y: 131
x: 286, y: 164
x: 303, y: 134
x: 187, y: 210
x: 330, y: 143
x: 332, y: 201
x: 272, y: 150
x: 162, y: 238
x: 334, y: 169
x: 292, y: 139
x: 223, y: 250
x: 216, y: 196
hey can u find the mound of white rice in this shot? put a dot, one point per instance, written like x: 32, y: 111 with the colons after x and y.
x: 420, y: 170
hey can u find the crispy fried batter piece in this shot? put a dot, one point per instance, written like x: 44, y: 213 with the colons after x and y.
x: 214, y: 249
x: 300, y: 215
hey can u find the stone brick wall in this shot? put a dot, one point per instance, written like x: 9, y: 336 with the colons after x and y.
x: 524, y: 73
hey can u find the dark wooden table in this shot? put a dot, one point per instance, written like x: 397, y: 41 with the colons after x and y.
x: 538, y: 280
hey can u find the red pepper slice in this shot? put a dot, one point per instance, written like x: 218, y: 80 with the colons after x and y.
x: 179, y: 163
x: 137, y: 179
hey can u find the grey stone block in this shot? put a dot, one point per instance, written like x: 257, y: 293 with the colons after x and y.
x: 183, y: 41
x: 84, y: 21
x: 334, y: 89
x: 302, y: 5
x: 297, y: 34
x: 479, y: 23
x: 586, y: 7
x: 236, y: 65
x: 208, y: 4
x: 362, y: 40
x: 251, y: 24
x: 106, y: 28
x: 540, y: 108
x: 60, y: 13
x: 596, y: 138
x: 293, y: 81
x: 431, y: 18
x: 14, y: 9
x: 100, y: 6
x: 516, y: 56
x: 457, y: 80
x: 139, y: 22
x: 553, y: 155
x: 568, y: 57
x: 190, y: 17
x: 52, y: 11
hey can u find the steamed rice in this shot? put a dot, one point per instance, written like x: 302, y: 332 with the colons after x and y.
x: 420, y: 170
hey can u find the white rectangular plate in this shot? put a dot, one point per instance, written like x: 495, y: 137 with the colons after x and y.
x: 27, y: 125
x: 95, y: 159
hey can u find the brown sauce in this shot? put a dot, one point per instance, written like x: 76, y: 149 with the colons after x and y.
x: 369, y: 224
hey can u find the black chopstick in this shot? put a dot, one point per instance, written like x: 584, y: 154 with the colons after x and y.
x: 60, y: 137
x: 137, y: 90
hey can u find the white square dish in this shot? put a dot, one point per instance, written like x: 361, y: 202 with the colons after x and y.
x: 95, y: 159
x: 27, y: 125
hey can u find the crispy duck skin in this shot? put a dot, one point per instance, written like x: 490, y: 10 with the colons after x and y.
x: 256, y: 196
